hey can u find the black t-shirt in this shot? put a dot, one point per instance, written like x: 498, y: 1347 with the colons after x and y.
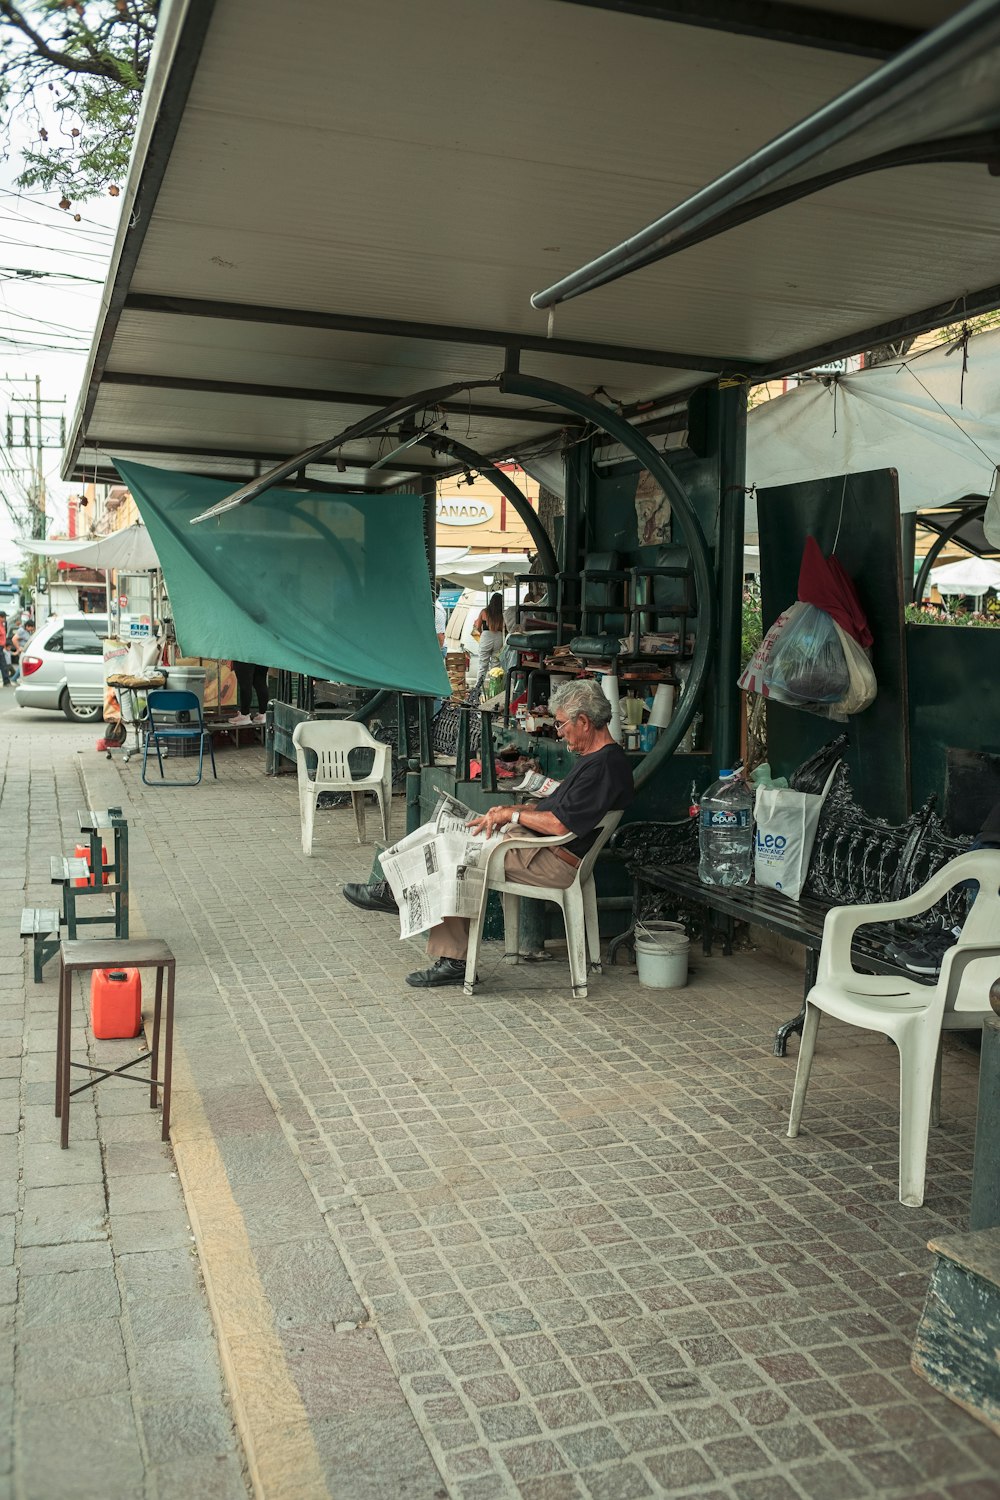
x: 597, y: 784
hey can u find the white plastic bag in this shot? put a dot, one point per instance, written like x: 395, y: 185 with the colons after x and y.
x: 786, y: 831
x: 754, y: 676
x: 863, y: 687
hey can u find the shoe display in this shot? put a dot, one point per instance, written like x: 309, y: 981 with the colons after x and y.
x: 377, y: 897
x: 442, y: 971
x: 240, y: 721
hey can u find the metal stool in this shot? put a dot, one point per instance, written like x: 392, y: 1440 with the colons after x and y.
x: 115, y: 953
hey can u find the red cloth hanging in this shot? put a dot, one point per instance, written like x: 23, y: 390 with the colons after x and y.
x: 824, y: 582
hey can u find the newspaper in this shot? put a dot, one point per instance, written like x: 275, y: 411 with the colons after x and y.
x: 535, y: 784
x: 439, y: 870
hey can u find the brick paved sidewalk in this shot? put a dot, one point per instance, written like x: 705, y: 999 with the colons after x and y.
x: 110, y: 1380
x: 516, y: 1245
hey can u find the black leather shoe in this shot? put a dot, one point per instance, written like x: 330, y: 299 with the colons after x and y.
x: 377, y: 897
x: 441, y: 971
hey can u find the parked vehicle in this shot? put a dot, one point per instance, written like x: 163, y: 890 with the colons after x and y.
x: 65, y: 645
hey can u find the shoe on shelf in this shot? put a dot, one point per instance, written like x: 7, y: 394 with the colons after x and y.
x: 441, y: 971
x: 240, y: 721
x: 377, y: 897
x: 259, y: 719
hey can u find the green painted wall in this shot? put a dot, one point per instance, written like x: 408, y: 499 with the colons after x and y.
x: 953, y: 673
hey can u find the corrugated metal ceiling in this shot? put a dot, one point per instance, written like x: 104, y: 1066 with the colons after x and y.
x: 434, y: 164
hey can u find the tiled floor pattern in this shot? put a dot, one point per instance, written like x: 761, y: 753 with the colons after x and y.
x: 110, y: 1381
x: 595, y: 1262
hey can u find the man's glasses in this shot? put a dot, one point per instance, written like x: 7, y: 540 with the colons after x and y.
x: 562, y: 724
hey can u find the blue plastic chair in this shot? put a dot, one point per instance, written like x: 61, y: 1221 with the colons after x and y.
x: 175, y: 718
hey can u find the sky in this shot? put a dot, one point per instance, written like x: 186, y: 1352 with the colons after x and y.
x: 51, y: 274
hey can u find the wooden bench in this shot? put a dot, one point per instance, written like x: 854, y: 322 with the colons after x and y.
x: 857, y: 859
x: 41, y: 924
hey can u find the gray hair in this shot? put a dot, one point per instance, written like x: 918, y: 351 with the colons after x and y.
x: 582, y: 697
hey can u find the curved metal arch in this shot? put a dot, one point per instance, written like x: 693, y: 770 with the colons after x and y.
x: 938, y: 546
x: 403, y: 407
x: 509, y: 490
x: 517, y: 384
x: 623, y: 431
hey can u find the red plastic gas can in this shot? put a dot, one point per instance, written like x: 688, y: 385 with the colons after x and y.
x: 82, y: 851
x: 115, y: 1003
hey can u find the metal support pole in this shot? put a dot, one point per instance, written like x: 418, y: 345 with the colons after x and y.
x: 488, y: 772
x: 732, y: 417
x: 424, y: 706
x: 984, y: 1212
x: 413, y: 818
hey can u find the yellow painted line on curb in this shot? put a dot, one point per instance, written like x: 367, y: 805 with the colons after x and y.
x: 272, y: 1422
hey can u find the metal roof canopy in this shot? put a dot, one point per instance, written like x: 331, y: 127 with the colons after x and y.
x: 294, y: 256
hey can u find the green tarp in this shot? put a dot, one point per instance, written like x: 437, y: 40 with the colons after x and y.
x: 334, y: 586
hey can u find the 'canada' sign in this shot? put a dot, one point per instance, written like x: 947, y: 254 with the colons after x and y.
x: 454, y: 510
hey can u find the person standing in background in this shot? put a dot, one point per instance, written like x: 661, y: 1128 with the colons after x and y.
x: 4, y: 668
x: 491, y: 627
x: 250, y: 679
x: 19, y: 639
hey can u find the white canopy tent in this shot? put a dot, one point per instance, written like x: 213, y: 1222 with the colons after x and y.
x: 472, y: 569
x: 933, y: 417
x: 129, y: 550
x: 970, y: 575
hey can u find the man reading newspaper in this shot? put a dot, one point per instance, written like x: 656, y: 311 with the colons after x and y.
x: 434, y: 877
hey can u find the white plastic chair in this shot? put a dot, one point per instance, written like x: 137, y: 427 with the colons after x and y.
x: 912, y: 1014
x: 577, y: 902
x: 331, y: 740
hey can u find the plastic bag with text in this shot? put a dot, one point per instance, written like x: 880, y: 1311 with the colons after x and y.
x: 753, y: 678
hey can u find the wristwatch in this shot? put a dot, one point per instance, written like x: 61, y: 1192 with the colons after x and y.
x: 515, y: 816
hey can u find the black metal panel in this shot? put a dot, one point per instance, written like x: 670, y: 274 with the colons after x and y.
x: 447, y: 333
x: 860, y: 512
x: 491, y: 413
x: 770, y: 21
x: 954, y: 706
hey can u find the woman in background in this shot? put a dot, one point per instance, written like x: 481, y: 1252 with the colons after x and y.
x: 491, y: 627
x: 250, y: 679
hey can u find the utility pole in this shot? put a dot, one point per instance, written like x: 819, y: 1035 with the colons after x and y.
x: 36, y: 443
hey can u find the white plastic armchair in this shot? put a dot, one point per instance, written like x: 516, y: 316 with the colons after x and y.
x: 331, y: 741
x: 577, y: 902
x: 912, y: 1014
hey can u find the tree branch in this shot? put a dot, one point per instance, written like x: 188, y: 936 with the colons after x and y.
x: 95, y: 67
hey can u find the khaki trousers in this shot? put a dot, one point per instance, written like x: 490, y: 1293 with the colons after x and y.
x: 450, y: 938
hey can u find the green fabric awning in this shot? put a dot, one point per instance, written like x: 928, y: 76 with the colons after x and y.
x: 334, y: 586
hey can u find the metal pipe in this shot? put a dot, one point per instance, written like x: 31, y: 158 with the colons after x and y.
x: 977, y: 149
x: 937, y: 59
x: 643, y: 450
x: 732, y: 504
x: 360, y: 429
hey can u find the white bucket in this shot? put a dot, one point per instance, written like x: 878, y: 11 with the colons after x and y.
x: 661, y: 952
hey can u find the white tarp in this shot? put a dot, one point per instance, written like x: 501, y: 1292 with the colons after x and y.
x: 129, y: 549
x: 942, y: 436
x: 473, y: 568
x: 970, y: 575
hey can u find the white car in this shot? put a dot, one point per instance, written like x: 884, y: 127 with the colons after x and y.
x: 65, y: 646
